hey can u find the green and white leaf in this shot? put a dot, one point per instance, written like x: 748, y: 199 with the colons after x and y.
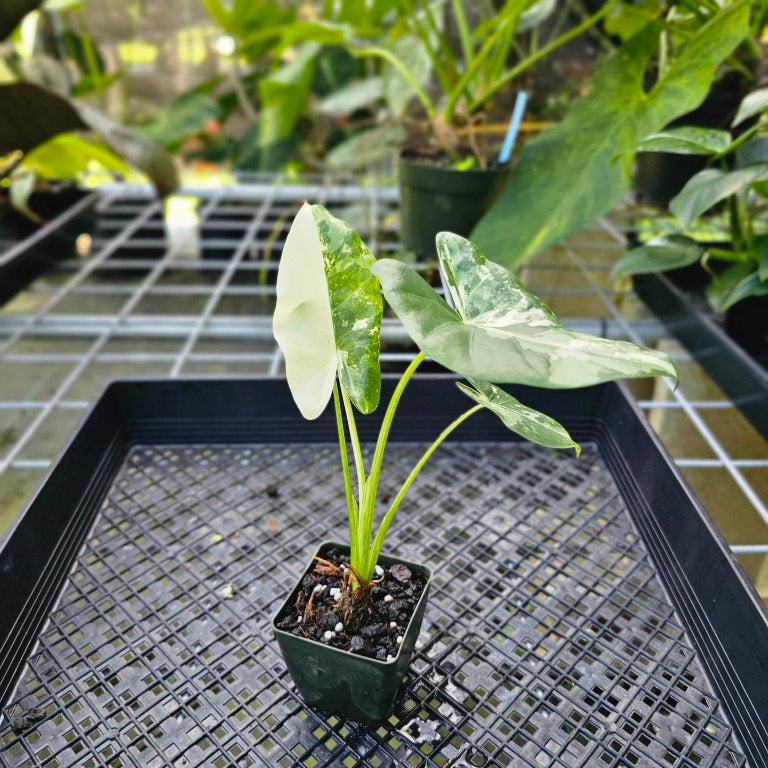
x: 710, y: 186
x: 658, y: 255
x: 499, y: 331
x: 527, y: 422
x: 327, y: 318
x: 687, y: 140
x: 752, y: 104
x: 591, y: 149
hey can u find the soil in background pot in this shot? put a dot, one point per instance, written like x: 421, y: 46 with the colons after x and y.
x: 312, y: 614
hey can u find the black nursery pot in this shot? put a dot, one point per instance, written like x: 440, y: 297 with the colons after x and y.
x: 434, y: 198
x: 345, y: 683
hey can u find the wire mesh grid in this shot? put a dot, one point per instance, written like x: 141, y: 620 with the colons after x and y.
x: 549, y: 640
x: 143, y: 293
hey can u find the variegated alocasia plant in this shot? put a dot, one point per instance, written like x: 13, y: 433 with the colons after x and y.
x: 327, y: 322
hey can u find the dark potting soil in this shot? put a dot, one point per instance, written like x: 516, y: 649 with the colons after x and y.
x: 393, y: 600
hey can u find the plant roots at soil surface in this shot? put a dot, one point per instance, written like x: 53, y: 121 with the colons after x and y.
x: 370, y: 622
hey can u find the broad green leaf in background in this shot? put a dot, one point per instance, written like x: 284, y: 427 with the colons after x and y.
x: 528, y: 422
x: 710, y: 186
x: 734, y: 284
x: 284, y: 94
x: 574, y: 172
x: 627, y: 19
x: 659, y: 254
x: 32, y: 115
x: 410, y: 50
x: 323, y: 32
x: 328, y: 313
x: 12, y: 12
x: 753, y: 104
x: 687, y: 140
x: 183, y: 117
x: 499, y: 331
x: 66, y: 155
x: 365, y: 147
x: 353, y: 96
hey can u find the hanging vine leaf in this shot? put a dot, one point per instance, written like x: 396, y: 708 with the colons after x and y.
x: 499, y: 331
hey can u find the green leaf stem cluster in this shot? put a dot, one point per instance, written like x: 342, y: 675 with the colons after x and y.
x: 327, y: 322
x: 737, y: 177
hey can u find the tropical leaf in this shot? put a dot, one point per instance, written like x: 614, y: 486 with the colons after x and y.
x: 353, y: 96
x: 687, y: 140
x: 12, y: 12
x: 710, y: 186
x: 365, y: 147
x: 328, y: 313
x: 571, y: 174
x: 752, y: 104
x: 183, y: 117
x: 527, y: 422
x: 499, y: 331
x: 32, y: 115
x: 658, y: 255
x: 738, y: 282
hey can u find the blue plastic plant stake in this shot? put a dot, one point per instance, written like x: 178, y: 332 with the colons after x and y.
x: 514, y: 126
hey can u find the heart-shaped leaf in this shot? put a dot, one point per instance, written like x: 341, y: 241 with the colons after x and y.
x: 328, y: 314
x: 499, y: 331
x: 659, y: 254
x: 687, y: 140
x: 528, y: 422
x: 710, y: 186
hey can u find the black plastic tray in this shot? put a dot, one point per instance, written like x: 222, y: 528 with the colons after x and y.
x: 585, y: 611
x: 741, y: 378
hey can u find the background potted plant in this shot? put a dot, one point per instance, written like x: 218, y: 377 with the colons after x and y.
x: 327, y: 322
x: 732, y: 248
x: 448, y: 171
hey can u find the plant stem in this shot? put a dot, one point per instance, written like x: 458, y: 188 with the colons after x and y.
x: 531, y: 60
x: 351, y: 507
x: 373, y: 554
x: 465, y: 36
x: 356, y: 451
x: 368, y: 502
x: 402, y: 70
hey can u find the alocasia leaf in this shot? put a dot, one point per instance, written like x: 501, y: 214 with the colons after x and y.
x: 659, y: 254
x: 499, y: 331
x: 528, y: 422
x: 328, y: 313
x: 687, y: 140
x: 571, y: 174
x: 710, y: 186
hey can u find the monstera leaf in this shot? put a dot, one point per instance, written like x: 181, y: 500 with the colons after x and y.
x: 328, y: 314
x: 499, y: 331
x: 573, y: 173
x: 531, y: 424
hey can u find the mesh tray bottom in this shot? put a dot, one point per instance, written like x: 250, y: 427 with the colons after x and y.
x: 548, y: 640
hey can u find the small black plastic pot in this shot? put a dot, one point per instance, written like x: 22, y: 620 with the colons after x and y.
x: 345, y: 683
x: 434, y: 198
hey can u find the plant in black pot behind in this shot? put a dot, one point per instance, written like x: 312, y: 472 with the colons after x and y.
x: 327, y: 322
x: 733, y: 249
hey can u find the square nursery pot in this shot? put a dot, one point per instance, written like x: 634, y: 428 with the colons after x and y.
x: 335, y: 680
x: 435, y: 198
